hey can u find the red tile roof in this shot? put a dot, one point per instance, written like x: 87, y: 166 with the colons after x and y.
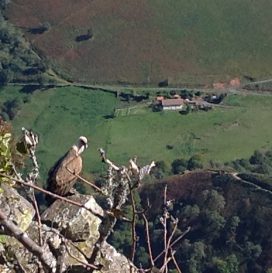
x: 172, y: 102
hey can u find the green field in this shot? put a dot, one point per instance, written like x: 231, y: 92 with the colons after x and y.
x: 60, y: 115
x: 222, y: 134
x: 148, y: 41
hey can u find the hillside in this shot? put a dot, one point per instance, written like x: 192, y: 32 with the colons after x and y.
x: 60, y: 115
x: 124, y: 41
x: 230, y: 222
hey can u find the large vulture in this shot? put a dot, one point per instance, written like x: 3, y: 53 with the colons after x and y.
x: 62, y: 176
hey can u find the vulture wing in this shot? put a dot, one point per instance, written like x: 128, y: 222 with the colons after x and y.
x: 62, y: 175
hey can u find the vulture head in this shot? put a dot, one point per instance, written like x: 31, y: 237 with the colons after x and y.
x: 81, y: 145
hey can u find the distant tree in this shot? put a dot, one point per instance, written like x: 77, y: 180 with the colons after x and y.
x: 186, y: 94
x: 163, y: 83
x: 212, y: 223
x: 212, y: 200
x: 142, y: 257
x: 4, y: 3
x: 190, y: 212
x: 4, y: 116
x: 179, y: 166
x: 156, y: 107
x: 3, y: 78
x: 173, y: 271
x: 257, y: 158
x: 11, y: 107
x: 173, y: 92
x: 185, y: 110
x: 245, y: 164
x: 252, y: 251
x: 230, y: 229
x: 268, y: 154
x: 198, y: 93
x: 195, y: 162
x: 160, y: 170
x: 193, y: 254
x: 228, y: 265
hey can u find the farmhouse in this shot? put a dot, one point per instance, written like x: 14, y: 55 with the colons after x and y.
x: 172, y: 104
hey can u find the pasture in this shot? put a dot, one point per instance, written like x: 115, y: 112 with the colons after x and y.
x: 223, y: 134
x: 149, y: 41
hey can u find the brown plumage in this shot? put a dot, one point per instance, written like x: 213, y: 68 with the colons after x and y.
x: 62, y: 176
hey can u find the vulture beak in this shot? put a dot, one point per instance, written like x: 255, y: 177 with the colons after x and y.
x: 83, y: 144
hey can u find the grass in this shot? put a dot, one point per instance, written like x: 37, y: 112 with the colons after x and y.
x: 60, y: 115
x: 219, y: 135
x: 148, y: 41
x: 11, y: 93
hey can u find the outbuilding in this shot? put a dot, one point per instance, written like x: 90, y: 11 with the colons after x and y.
x: 172, y: 104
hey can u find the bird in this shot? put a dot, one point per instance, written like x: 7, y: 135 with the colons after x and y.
x: 63, y: 175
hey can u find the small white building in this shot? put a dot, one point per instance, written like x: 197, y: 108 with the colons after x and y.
x: 172, y: 104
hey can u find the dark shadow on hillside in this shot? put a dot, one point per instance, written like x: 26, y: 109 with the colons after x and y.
x: 110, y: 116
x: 37, y: 30
x: 163, y: 83
x: 29, y: 89
x: 83, y: 37
x: 31, y: 71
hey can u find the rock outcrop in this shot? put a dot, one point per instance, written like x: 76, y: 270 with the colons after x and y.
x: 17, y: 208
x: 75, y: 229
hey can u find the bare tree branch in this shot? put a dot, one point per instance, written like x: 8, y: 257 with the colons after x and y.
x: 86, y: 181
x: 164, y: 223
x: 174, y: 243
x: 46, y: 257
x: 133, y: 222
x: 51, y: 194
x: 165, y: 264
x: 175, y: 261
x: 31, y: 140
x: 148, y: 240
x: 170, y: 239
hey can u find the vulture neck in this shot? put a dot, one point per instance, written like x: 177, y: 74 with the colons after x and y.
x: 77, y: 150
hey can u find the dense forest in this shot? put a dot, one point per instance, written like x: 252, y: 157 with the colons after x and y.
x: 230, y: 218
x: 18, y: 61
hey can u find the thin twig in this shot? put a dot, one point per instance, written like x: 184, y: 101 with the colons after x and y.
x: 165, y: 216
x: 174, y: 243
x: 106, y: 160
x: 51, y: 194
x: 170, y: 238
x: 148, y: 240
x: 175, y: 261
x: 34, y: 201
x: 165, y: 264
x: 31, y: 141
x: 85, y: 181
x: 133, y: 226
